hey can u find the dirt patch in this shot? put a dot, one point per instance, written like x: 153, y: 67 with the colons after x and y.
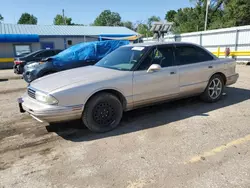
x: 23, y: 128
x: 45, y: 151
x: 29, y: 144
x: 4, y: 166
x: 12, y: 90
x: 7, y: 133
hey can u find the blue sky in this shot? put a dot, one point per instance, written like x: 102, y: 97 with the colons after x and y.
x: 85, y: 11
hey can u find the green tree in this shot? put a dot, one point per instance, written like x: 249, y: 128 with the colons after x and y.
x: 153, y: 19
x: 192, y: 19
x: 27, y: 18
x: 1, y: 18
x: 170, y: 15
x: 236, y: 13
x: 108, y: 18
x: 58, y: 20
x: 143, y: 30
x: 187, y: 20
x: 128, y: 25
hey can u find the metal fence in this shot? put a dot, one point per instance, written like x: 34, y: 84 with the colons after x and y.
x: 235, y: 38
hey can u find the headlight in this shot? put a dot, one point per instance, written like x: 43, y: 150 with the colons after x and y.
x: 48, y: 99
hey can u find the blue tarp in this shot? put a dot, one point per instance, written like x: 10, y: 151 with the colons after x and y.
x: 5, y: 38
x: 90, y: 51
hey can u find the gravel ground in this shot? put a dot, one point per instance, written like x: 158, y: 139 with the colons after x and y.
x: 184, y: 143
x: 8, y: 74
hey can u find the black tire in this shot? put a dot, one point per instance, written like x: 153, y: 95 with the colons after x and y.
x: 17, y: 69
x: 102, y: 113
x: 207, y: 94
x: 20, y: 69
x: 27, y: 77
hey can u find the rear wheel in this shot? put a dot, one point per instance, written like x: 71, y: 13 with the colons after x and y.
x: 102, y: 113
x: 20, y: 69
x: 214, y: 89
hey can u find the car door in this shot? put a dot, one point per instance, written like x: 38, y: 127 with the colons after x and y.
x: 194, y: 66
x: 158, y: 85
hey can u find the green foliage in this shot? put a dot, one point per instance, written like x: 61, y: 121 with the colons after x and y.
x: 143, y: 30
x: 108, y: 18
x: 128, y: 25
x: 1, y: 18
x: 153, y: 19
x: 27, y: 18
x: 221, y: 14
x: 170, y: 15
x: 58, y: 20
x: 237, y: 12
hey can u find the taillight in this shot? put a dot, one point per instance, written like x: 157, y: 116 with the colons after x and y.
x: 17, y: 62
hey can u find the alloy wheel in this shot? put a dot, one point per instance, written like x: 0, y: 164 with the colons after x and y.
x: 215, y: 88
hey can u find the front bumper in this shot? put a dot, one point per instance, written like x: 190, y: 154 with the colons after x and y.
x: 232, y: 79
x: 49, y: 113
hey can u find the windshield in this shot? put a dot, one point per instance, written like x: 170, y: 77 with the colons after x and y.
x: 32, y: 53
x: 123, y: 58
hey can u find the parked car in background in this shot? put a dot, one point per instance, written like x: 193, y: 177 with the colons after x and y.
x: 79, y: 55
x: 21, y: 54
x: 22, y: 59
x: 129, y: 77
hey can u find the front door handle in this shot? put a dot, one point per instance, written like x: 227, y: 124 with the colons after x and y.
x: 210, y: 67
x: 172, y: 72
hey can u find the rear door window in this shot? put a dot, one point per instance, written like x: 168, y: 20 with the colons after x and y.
x: 188, y: 54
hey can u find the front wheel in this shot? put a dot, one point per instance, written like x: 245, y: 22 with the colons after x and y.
x: 27, y: 77
x: 102, y: 113
x: 214, y: 89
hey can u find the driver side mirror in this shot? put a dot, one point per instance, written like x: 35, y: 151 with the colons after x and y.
x: 154, y: 68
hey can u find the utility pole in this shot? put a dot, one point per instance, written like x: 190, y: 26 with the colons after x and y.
x: 64, y: 21
x: 208, y: 2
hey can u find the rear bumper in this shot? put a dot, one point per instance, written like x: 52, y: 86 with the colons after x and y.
x: 232, y: 79
x: 50, y: 113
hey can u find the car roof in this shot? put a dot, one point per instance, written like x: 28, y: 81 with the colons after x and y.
x: 50, y: 49
x: 148, y: 44
x: 38, y: 51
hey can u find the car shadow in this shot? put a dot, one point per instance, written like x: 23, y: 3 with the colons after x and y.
x: 150, y: 117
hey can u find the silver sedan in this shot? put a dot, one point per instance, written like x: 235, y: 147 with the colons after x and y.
x: 130, y: 77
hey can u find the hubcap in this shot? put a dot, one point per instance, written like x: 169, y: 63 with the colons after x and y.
x: 104, y: 114
x: 215, y: 88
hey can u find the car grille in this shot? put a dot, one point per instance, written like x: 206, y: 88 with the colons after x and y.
x: 32, y: 93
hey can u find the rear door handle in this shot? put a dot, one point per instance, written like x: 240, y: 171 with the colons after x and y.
x: 210, y: 67
x: 172, y: 72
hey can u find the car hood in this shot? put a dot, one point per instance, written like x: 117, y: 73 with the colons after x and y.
x: 83, y: 75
